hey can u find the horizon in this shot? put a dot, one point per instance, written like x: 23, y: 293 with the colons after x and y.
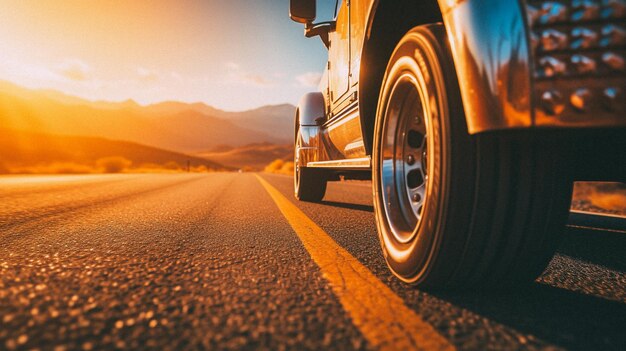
x: 130, y: 100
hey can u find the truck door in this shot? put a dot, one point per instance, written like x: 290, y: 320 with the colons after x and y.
x: 339, y: 58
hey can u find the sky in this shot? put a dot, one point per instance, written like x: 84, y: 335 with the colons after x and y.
x: 230, y: 54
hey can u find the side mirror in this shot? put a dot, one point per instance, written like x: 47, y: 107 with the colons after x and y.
x: 302, y: 11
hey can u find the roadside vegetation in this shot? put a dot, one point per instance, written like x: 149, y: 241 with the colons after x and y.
x: 280, y: 167
x: 110, y: 165
x: 600, y: 197
x: 36, y: 153
x: 252, y: 156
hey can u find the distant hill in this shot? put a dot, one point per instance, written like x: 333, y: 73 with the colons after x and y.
x: 174, y: 107
x: 35, y: 95
x: 274, y: 120
x: 25, y: 150
x: 171, y: 125
x: 256, y: 156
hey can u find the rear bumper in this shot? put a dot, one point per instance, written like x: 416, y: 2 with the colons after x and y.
x: 539, y: 64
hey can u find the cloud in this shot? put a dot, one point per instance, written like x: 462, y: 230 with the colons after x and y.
x: 309, y: 79
x: 237, y: 74
x: 18, y: 70
x: 75, y: 70
x: 147, y: 75
x: 256, y: 79
x: 232, y: 66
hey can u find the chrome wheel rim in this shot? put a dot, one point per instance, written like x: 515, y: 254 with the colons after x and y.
x: 404, y: 159
x: 296, y: 164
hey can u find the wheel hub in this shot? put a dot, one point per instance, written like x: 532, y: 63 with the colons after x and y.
x: 404, y: 159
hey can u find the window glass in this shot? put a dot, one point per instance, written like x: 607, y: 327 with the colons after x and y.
x: 326, y: 10
x: 337, y: 7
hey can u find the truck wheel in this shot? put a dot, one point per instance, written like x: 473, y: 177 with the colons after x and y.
x: 454, y: 209
x: 309, y: 183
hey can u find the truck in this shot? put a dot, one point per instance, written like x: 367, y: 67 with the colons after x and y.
x: 472, y: 118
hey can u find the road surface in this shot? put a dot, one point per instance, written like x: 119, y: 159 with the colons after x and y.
x: 232, y: 261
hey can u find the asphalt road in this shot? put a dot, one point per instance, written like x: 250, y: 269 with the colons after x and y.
x: 210, y: 261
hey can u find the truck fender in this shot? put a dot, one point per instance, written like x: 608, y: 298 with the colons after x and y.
x: 310, y: 114
x: 311, y: 109
x: 491, y: 52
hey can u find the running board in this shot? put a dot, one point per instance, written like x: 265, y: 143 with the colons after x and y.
x: 596, y: 220
x: 363, y: 163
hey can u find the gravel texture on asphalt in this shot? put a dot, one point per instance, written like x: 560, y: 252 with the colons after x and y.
x: 184, y: 263
x: 208, y: 261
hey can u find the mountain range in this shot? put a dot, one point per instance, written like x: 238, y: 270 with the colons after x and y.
x: 177, y: 126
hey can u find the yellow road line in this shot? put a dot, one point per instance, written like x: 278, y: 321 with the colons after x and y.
x: 381, y: 315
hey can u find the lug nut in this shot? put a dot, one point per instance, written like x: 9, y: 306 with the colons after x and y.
x: 613, y: 35
x: 583, y: 64
x: 584, y: 38
x: 613, y: 99
x: 553, y: 40
x: 581, y: 99
x: 410, y: 160
x: 552, y: 12
x: 552, y: 67
x: 614, y: 61
x: 552, y: 102
x: 584, y: 10
x: 416, y: 198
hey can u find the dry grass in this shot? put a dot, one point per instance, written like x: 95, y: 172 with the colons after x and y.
x: 280, y: 167
x: 254, y: 156
x: 53, y: 168
x: 114, y: 164
x: 600, y: 197
x: 33, y: 153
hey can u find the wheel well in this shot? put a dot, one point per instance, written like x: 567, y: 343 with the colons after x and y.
x: 391, y: 20
x: 296, y: 123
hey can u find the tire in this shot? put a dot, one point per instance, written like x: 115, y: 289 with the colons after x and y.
x: 309, y: 183
x: 453, y: 209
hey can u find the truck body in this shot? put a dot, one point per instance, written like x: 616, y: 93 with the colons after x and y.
x: 509, y: 101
